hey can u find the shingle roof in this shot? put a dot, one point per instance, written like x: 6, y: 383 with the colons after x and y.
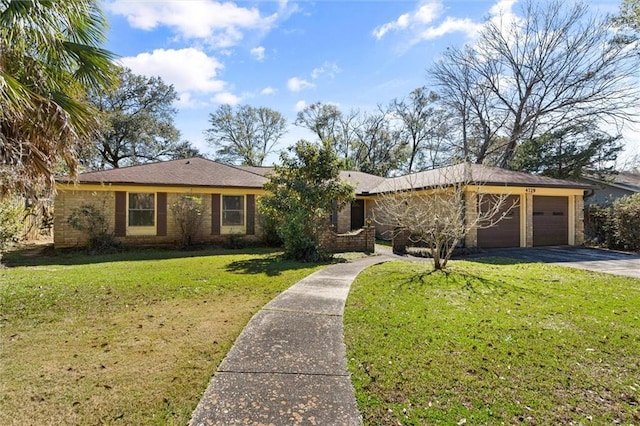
x: 363, y: 182
x: 629, y: 181
x: 189, y: 172
x: 202, y: 172
x: 471, y: 173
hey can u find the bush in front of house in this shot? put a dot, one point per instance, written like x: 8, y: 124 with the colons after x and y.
x: 188, y: 213
x: 90, y: 219
x: 11, y: 218
x: 616, y: 225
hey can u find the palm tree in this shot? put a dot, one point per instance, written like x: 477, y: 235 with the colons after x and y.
x: 50, y: 58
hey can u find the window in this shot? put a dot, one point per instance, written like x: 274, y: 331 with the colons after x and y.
x: 232, y: 210
x: 142, y: 212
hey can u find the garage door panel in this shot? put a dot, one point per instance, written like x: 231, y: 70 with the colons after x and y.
x: 550, y: 220
x: 505, y: 233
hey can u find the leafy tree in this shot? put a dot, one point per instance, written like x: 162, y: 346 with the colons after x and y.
x: 629, y: 17
x: 301, y: 194
x: 569, y: 153
x: 247, y: 135
x: 137, y: 124
x: 554, y: 66
x: 423, y: 129
x: 333, y: 126
x: 51, y: 58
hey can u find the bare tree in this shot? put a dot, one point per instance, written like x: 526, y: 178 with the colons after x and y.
x: 439, y: 208
x: 555, y: 66
x: 423, y: 128
x: 378, y: 148
x: 247, y: 135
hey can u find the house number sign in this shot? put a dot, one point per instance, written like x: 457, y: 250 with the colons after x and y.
x: 530, y: 190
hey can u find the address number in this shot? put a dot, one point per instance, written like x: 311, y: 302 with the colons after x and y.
x: 530, y: 190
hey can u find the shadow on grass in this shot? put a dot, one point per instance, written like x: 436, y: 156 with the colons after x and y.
x: 47, y: 255
x: 271, y: 265
x: 491, y: 260
x: 476, y: 285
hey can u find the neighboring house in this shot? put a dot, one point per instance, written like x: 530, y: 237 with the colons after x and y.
x: 136, y: 201
x: 612, y: 187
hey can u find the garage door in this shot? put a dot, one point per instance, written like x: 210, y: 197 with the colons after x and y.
x: 550, y: 221
x: 505, y: 233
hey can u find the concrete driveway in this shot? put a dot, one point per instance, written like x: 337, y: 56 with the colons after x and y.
x: 592, y: 259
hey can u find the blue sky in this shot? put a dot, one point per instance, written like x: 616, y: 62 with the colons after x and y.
x: 285, y: 54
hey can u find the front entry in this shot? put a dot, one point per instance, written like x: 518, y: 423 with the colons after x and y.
x: 357, y: 214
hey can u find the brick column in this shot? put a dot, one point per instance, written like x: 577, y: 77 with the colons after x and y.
x: 471, y: 215
x: 529, y: 219
x: 579, y: 220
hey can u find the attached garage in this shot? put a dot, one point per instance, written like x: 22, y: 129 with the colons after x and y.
x: 505, y: 233
x: 550, y: 220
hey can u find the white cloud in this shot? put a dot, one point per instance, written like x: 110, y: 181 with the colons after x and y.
x: 330, y: 69
x: 450, y: 25
x: 189, y: 70
x: 300, y: 105
x: 219, y: 24
x: 425, y: 13
x: 268, y: 91
x: 296, y: 84
x: 258, y: 53
x: 226, y: 98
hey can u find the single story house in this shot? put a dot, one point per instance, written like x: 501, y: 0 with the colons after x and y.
x: 612, y: 187
x: 136, y: 201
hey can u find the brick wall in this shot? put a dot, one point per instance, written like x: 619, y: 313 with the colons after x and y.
x: 66, y: 236
x: 363, y: 240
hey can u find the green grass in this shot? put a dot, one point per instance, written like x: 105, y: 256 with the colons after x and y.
x: 494, y: 344
x: 128, y: 338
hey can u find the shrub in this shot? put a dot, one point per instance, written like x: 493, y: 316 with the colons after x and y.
x: 90, y: 219
x: 617, y: 225
x: 188, y: 215
x: 626, y: 217
x: 301, y: 194
x: 12, y: 214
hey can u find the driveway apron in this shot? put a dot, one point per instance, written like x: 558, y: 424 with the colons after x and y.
x: 592, y: 259
x: 288, y: 366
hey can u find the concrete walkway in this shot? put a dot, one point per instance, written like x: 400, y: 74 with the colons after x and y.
x: 288, y: 366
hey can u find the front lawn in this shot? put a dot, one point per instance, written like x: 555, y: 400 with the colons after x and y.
x: 492, y: 343
x: 129, y: 338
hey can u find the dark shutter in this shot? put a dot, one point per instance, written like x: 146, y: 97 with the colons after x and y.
x: 215, y: 214
x: 251, y: 214
x: 162, y: 214
x: 121, y: 214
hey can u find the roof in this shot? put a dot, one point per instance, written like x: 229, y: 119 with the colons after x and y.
x: 189, y: 172
x: 628, y: 181
x: 471, y: 173
x: 363, y: 182
x: 208, y: 173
